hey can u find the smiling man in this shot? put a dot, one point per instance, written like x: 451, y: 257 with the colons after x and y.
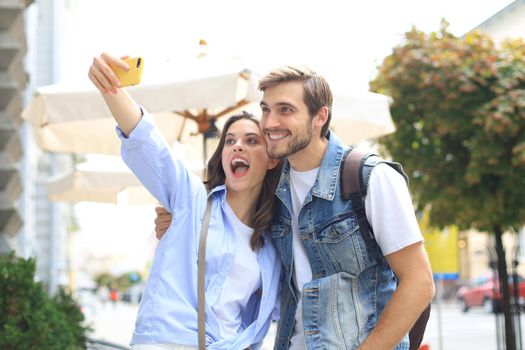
x: 338, y: 291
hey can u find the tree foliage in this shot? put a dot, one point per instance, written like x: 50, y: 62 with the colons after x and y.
x: 121, y: 282
x: 459, y: 109
x: 29, y: 318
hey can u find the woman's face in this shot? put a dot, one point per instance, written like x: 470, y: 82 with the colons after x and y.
x: 244, y: 156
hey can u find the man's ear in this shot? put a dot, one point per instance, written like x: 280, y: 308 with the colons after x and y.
x: 273, y: 163
x: 322, y: 116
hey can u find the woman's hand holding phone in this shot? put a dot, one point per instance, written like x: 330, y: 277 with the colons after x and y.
x: 102, y: 73
x: 109, y: 73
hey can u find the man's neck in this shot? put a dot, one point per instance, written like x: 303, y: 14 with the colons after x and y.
x: 309, y: 157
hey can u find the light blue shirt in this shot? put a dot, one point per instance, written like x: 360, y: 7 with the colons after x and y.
x: 168, y: 308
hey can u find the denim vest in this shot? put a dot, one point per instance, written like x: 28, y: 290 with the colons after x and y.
x: 351, y: 282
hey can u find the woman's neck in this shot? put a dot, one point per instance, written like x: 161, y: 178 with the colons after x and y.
x: 243, y: 204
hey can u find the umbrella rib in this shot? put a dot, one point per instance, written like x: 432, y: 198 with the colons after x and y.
x: 187, y: 114
x: 245, y: 74
x: 232, y: 108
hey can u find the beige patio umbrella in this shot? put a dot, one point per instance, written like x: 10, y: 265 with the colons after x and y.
x: 114, y: 184
x: 75, y: 119
x: 115, y: 187
x: 361, y: 116
x: 98, y: 186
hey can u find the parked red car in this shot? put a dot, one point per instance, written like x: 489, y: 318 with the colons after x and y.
x: 484, y: 291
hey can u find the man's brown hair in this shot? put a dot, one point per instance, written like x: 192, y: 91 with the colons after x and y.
x: 316, y: 92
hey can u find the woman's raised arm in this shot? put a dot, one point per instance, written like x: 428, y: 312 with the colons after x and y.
x: 125, y: 111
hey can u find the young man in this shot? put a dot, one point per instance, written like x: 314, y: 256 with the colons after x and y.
x: 337, y: 291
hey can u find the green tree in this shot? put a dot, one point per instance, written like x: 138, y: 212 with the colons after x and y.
x: 459, y: 109
x: 105, y: 280
x: 121, y: 283
x: 29, y: 319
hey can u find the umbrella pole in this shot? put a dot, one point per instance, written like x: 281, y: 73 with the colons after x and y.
x: 204, y: 156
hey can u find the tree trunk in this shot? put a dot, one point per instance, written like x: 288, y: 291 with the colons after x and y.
x: 510, y: 336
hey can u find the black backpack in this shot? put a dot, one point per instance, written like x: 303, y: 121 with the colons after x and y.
x: 355, y: 172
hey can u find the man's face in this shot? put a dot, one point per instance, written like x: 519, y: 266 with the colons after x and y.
x: 285, y: 121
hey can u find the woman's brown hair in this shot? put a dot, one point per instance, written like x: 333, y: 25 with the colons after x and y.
x: 264, y: 207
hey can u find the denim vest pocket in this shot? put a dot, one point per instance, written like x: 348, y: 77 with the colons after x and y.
x: 281, y: 231
x: 342, y: 241
x: 333, y: 314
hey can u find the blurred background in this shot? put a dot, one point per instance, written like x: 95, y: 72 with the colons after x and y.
x: 67, y: 201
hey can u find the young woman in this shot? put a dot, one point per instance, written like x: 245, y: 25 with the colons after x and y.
x: 242, y: 269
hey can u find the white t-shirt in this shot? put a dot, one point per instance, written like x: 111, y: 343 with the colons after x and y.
x: 389, y: 211
x: 242, y: 281
x: 300, y: 184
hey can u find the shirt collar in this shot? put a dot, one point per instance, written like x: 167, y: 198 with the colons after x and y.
x: 328, y: 177
x: 219, y: 190
x: 329, y: 171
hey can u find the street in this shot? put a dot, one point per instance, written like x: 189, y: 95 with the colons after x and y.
x: 474, y: 330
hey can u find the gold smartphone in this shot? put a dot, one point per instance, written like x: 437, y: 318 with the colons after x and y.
x: 133, y: 75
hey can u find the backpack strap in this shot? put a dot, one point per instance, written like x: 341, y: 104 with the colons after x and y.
x: 354, y: 189
x: 355, y: 174
x: 350, y: 178
x: 354, y: 186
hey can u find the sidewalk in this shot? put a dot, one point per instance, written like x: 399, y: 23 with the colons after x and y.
x: 474, y: 330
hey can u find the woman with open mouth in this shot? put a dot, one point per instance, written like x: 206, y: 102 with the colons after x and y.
x: 242, y: 268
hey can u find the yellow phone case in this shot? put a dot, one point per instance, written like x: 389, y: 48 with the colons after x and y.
x: 133, y: 75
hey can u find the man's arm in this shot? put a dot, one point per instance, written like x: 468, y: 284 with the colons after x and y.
x: 413, y: 294
x: 390, y: 213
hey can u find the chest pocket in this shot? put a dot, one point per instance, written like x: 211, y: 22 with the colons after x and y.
x: 279, y: 229
x: 342, y: 242
x: 280, y: 235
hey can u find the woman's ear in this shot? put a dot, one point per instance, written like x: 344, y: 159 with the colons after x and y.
x: 273, y: 163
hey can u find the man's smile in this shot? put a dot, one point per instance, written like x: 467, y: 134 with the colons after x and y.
x: 277, y: 135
